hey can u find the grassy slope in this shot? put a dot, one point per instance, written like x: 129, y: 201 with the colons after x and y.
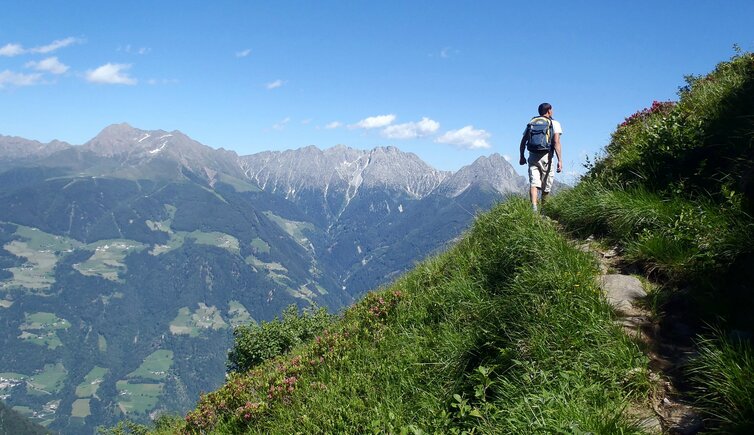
x: 505, y: 332
x: 676, y: 191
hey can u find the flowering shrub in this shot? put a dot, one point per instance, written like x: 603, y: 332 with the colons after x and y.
x: 661, y: 107
x: 376, y: 309
x: 247, y: 397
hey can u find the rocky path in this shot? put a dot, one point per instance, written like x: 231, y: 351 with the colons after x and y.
x: 667, y: 341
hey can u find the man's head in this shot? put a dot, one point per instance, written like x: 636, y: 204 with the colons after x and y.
x: 544, y: 109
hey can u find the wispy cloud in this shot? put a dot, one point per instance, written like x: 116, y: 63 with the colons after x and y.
x: 50, y: 65
x: 56, y: 45
x: 378, y: 121
x: 276, y: 84
x: 468, y: 137
x: 334, y: 125
x: 243, y: 53
x: 111, y: 74
x: 280, y: 125
x: 507, y: 157
x: 128, y: 48
x: 14, y: 49
x: 8, y: 77
x: 412, y: 130
x: 10, y: 50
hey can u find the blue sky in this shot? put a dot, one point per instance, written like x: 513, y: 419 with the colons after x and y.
x: 449, y: 81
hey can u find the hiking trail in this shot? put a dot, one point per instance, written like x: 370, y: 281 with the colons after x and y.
x: 666, y: 339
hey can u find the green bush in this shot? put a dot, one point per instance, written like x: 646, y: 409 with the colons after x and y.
x: 255, y: 344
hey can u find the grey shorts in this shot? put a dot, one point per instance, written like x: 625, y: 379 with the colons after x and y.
x: 541, y: 172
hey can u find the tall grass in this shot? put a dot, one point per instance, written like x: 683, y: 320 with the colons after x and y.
x: 724, y: 373
x: 505, y: 333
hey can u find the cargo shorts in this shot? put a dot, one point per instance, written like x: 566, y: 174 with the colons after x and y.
x: 541, y: 172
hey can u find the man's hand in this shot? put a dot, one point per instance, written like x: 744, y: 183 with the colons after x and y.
x: 560, y: 166
x: 522, y: 160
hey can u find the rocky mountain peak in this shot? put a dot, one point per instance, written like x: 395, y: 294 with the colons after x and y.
x: 492, y: 172
x: 12, y: 147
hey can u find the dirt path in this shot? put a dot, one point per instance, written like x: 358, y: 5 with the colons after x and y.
x: 667, y: 341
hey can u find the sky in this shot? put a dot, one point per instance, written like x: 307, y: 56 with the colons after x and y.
x: 447, y: 80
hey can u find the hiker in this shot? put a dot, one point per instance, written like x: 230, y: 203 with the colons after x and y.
x: 541, y: 138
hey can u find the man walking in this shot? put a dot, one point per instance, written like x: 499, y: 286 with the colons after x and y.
x: 541, y: 138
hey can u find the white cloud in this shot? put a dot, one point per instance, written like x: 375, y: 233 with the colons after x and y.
x: 306, y: 121
x: 378, y: 121
x: 276, y: 84
x: 13, y: 49
x: 57, y: 44
x: 243, y: 53
x: 8, y: 77
x: 412, y: 130
x: 467, y: 137
x: 10, y: 50
x: 281, y: 124
x: 112, y: 74
x: 51, y: 65
x: 507, y: 157
x: 333, y: 125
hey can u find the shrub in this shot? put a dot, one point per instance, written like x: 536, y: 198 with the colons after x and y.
x: 254, y: 344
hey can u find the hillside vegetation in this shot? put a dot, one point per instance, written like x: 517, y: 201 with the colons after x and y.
x: 675, y: 190
x: 507, y: 331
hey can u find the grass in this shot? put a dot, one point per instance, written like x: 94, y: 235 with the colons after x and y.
x: 90, y: 385
x: 238, y: 314
x: 294, y: 228
x: 724, y: 374
x: 108, y: 257
x: 137, y: 398
x: 259, y: 245
x: 506, y: 330
x: 42, y: 251
x: 155, y: 366
x: 50, y: 380
x: 80, y: 408
x: 40, y: 328
x: 203, y: 317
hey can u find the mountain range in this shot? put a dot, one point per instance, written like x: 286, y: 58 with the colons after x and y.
x: 126, y: 261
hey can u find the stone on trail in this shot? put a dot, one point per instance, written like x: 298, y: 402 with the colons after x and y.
x: 621, y: 291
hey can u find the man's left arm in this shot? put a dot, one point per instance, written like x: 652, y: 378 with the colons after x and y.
x: 557, y: 152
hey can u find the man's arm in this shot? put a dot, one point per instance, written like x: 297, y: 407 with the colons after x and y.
x: 557, y: 152
x: 522, y: 160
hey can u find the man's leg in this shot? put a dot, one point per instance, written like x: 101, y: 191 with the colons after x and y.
x: 533, y: 194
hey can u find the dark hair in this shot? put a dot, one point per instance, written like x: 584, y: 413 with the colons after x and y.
x: 544, y: 108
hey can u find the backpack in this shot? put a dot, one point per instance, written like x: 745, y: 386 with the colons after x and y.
x: 539, y: 134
